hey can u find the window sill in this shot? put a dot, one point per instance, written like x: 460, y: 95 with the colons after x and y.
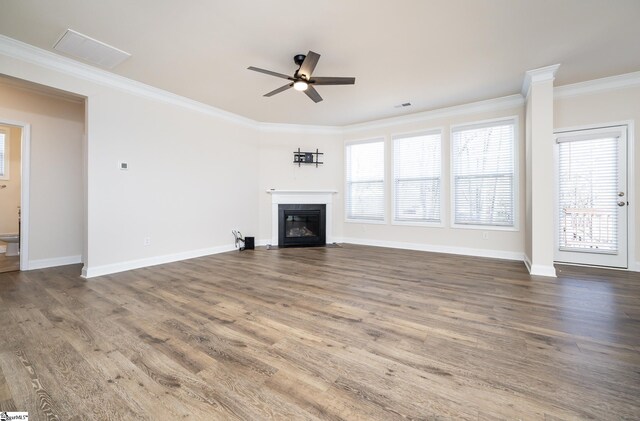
x: 365, y: 221
x: 418, y: 224
x: 485, y: 227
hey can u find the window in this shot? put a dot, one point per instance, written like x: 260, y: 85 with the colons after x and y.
x: 484, y: 174
x: 4, y: 156
x: 365, y: 181
x: 416, y: 178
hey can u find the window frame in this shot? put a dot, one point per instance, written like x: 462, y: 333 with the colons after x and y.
x: 7, y: 155
x: 515, y: 120
x: 347, y: 144
x: 428, y: 132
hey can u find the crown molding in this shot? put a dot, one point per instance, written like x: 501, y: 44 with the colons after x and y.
x: 502, y: 103
x: 298, y: 128
x: 604, y: 84
x: 46, y: 59
x: 28, y: 53
x: 538, y: 75
x: 34, y: 55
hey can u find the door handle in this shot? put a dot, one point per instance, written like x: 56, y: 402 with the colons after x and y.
x: 622, y: 203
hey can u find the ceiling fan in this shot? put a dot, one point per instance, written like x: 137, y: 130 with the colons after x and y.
x: 302, y: 79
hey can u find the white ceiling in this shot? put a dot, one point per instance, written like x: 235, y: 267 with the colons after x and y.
x: 432, y: 53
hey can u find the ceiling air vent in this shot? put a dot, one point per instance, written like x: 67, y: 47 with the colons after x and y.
x: 404, y: 104
x: 90, y: 50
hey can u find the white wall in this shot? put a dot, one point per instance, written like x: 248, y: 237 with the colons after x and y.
x: 185, y: 188
x: 507, y: 244
x: 601, y: 108
x: 192, y: 178
x: 196, y: 173
x: 277, y: 171
x: 57, y: 127
x: 10, y: 195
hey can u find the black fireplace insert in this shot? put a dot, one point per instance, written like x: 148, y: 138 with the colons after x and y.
x: 302, y: 225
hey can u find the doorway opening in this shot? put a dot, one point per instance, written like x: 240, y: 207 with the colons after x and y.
x: 10, y: 177
x: 14, y: 147
x: 50, y: 229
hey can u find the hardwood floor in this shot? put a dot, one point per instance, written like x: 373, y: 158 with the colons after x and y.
x: 324, y: 333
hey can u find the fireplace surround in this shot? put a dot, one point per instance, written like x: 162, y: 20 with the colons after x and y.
x: 300, y: 197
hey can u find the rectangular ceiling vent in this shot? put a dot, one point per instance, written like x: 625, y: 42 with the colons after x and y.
x: 404, y: 104
x: 90, y: 50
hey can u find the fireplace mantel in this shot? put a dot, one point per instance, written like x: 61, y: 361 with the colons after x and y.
x: 293, y: 197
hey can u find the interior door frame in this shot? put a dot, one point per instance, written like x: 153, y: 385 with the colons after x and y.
x: 25, y: 171
x: 631, y: 186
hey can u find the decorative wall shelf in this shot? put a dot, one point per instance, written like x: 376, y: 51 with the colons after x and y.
x: 300, y: 157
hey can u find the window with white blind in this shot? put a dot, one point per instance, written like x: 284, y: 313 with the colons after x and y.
x: 416, y: 178
x: 483, y: 173
x: 4, y: 156
x: 365, y: 181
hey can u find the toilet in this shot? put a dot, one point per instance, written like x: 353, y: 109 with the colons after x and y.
x: 13, y: 244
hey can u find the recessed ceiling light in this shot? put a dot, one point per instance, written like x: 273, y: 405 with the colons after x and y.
x: 90, y: 50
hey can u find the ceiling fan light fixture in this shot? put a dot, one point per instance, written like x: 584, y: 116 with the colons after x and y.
x: 300, y: 85
x: 301, y: 79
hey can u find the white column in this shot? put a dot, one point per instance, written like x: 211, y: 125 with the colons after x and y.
x: 540, y: 182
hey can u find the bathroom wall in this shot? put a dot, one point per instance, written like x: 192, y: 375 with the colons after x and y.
x: 57, y: 126
x: 10, y: 195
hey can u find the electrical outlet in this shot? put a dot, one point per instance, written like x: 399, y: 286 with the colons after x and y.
x: 485, y: 235
x: 147, y: 241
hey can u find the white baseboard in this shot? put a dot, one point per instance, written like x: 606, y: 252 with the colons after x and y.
x: 56, y: 261
x: 543, y: 270
x: 90, y: 272
x: 263, y: 242
x: 495, y: 254
x: 539, y: 270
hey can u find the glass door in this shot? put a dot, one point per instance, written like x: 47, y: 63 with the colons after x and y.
x: 592, y: 197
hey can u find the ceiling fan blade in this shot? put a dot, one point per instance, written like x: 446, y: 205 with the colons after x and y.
x: 313, y: 94
x: 269, y: 72
x: 280, y: 89
x: 309, y: 63
x: 333, y: 80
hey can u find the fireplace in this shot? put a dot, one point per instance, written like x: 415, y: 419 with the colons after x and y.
x: 300, y: 197
x: 301, y: 225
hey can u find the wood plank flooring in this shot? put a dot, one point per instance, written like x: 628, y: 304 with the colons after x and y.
x: 322, y: 333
